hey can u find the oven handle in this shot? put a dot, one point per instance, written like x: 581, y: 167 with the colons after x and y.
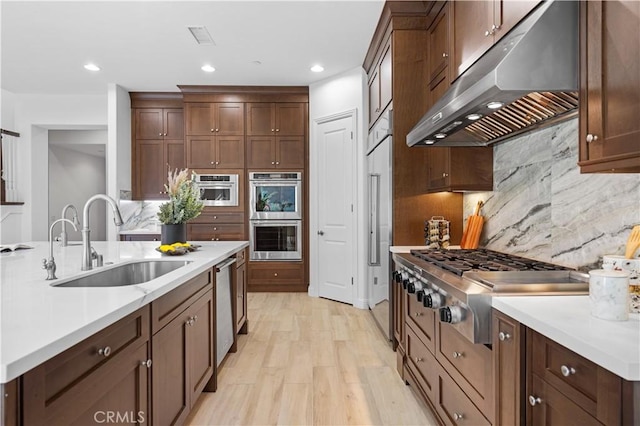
x: 217, y: 185
x: 276, y: 222
x: 230, y: 261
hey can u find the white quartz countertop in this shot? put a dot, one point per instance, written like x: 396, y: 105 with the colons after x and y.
x: 614, y: 345
x: 39, y: 321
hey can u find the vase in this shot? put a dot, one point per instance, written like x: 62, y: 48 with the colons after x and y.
x: 175, y: 233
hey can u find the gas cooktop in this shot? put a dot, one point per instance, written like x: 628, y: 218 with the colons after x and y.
x: 460, y: 261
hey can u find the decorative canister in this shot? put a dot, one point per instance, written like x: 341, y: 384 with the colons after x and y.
x: 609, y: 294
x: 632, y: 266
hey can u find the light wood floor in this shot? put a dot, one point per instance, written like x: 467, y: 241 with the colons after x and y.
x: 309, y: 361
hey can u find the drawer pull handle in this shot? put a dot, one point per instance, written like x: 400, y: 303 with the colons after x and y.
x: 418, y: 314
x: 418, y: 359
x: 504, y: 336
x: 146, y: 363
x: 534, y: 400
x: 457, y: 416
x: 591, y: 138
x: 458, y: 354
x: 275, y: 274
x: 567, y: 371
x: 105, y: 352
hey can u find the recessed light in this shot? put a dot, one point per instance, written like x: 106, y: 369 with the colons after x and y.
x: 256, y: 62
x: 429, y: 142
x: 91, y: 67
x: 474, y: 117
x: 494, y: 105
x: 208, y: 68
x: 440, y: 136
x: 317, y: 68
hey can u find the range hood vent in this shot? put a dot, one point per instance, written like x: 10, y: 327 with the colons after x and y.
x: 530, y: 75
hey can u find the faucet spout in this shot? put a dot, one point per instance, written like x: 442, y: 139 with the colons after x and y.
x: 76, y: 222
x: 86, y: 231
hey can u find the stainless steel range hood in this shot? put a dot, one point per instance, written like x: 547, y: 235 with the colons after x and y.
x: 532, y: 71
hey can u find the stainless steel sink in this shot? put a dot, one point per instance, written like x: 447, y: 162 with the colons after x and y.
x: 126, y: 274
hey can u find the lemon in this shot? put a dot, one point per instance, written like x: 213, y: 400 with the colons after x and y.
x: 166, y: 247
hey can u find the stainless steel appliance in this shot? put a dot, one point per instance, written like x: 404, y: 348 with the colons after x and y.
x: 275, y: 195
x: 460, y: 283
x: 379, y: 213
x: 529, y: 78
x: 224, y: 316
x: 275, y: 240
x: 219, y: 190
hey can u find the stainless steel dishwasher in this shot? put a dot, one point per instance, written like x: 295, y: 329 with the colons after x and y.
x: 224, y: 315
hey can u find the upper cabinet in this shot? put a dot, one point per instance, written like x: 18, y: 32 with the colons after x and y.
x: 159, y: 123
x: 609, y: 86
x: 480, y: 24
x: 275, y: 119
x: 380, y: 84
x: 215, y: 119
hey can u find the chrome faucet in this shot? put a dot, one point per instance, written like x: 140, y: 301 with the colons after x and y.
x: 50, y: 263
x: 76, y: 222
x: 87, y: 254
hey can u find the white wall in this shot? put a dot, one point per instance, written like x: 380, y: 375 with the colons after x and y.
x: 70, y: 169
x: 11, y: 217
x: 334, y: 95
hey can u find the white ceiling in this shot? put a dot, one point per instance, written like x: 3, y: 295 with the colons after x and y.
x: 146, y: 46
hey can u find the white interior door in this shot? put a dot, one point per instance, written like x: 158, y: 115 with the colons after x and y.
x: 336, y: 174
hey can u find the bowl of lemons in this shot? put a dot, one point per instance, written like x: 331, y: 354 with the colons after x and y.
x: 177, y: 249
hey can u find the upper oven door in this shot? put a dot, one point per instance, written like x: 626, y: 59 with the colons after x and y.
x: 275, y: 199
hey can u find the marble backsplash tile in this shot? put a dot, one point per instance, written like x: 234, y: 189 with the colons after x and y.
x: 543, y: 208
x: 138, y: 215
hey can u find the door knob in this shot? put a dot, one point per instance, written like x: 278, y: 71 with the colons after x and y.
x: 320, y: 232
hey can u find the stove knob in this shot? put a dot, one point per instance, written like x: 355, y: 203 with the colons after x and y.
x: 433, y: 300
x: 411, y: 287
x: 452, y: 314
x: 405, y: 283
x: 420, y: 295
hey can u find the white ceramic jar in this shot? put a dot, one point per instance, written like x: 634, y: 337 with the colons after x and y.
x: 632, y: 266
x: 609, y: 294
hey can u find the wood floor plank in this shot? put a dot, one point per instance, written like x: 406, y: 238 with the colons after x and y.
x: 296, y: 407
x: 328, y: 397
x: 360, y: 405
x: 265, y: 398
x: 300, y: 369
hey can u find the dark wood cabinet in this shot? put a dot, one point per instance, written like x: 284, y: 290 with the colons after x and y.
x: 381, y: 84
x: 239, y: 294
x: 276, y: 276
x: 139, y: 237
x: 440, y: 47
x: 183, y: 349
x: 477, y: 25
x: 269, y: 152
x: 398, y: 310
x: 10, y: 403
x: 275, y: 119
x: 508, y: 366
x: 212, y: 152
x: 219, y: 119
x: 107, y: 372
x: 215, y: 225
x: 609, y: 86
x: 157, y: 142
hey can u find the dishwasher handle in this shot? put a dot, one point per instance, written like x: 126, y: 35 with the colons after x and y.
x: 230, y: 261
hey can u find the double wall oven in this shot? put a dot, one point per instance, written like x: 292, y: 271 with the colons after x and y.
x: 275, y: 228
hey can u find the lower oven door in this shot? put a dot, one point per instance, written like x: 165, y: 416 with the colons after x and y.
x: 275, y: 240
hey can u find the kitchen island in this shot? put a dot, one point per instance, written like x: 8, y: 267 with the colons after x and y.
x: 39, y: 321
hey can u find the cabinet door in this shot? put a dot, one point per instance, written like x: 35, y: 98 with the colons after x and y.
x: 439, y: 48
x: 386, y: 78
x: 201, y: 152
x: 229, y: 152
x: 198, y: 117
x: 149, y: 123
x: 398, y: 314
x: 150, y: 171
x: 174, y: 155
x: 290, y: 152
x: 261, y: 152
x: 509, y: 12
x: 170, y: 364
x: 610, y: 86
x: 229, y: 119
x: 508, y: 359
x: 553, y: 408
x: 472, y: 37
x: 241, y: 299
x: 290, y: 119
x: 260, y: 119
x: 200, y: 346
x: 439, y: 159
x: 173, y: 123
x: 374, y: 96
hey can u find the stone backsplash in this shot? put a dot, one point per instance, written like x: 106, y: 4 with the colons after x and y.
x: 543, y: 208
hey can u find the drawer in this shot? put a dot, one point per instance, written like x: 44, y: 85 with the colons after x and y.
x: 470, y: 365
x: 275, y: 273
x: 596, y: 390
x: 215, y: 232
x: 241, y: 257
x: 169, y: 306
x: 422, y: 320
x: 453, y: 405
x: 422, y: 364
x: 61, y: 372
x: 216, y: 217
x: 553, y: 408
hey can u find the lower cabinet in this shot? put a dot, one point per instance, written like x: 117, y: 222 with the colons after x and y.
x: 103, y: 378
x: 276, y: 276
x: 240, y: 313
x: 139, y: 237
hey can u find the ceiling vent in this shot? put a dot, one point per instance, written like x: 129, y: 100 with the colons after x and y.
x: 201, y: 35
